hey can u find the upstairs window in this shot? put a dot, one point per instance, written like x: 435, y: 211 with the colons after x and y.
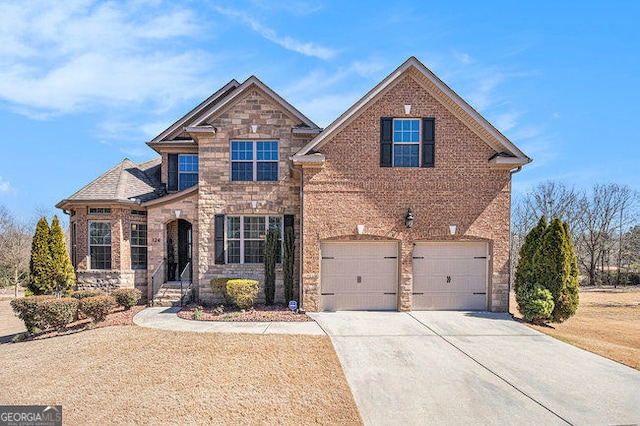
x: 187, y: 171
x: 254, y: 161
x: 99, y: 210
x: 407, y: 142
x: 100, y: 245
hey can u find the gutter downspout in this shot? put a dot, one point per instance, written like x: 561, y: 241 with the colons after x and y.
x: 300, y: 286
x: 511, y: 173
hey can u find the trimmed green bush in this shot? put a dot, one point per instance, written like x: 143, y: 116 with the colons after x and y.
x: 26, y: 309
x: 97, y: 307
x: 57, y: 313
x: 535, y: 303
x: 525, y: 273
x: 288, y: 249
x: 62, y: 274
x: 126, y: 297
x: 40, y: 264
x: 243, y: 292
x: 81, y: 294
x: 219, y: 286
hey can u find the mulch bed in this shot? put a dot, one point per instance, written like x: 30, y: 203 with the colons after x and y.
x: 259, y: 313
x: 118, y: 317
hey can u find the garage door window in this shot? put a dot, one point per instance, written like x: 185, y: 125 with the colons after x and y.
x: 246, y: 237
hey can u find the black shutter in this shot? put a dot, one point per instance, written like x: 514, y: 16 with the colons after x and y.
x: 428, y: 142
x: 218, y: 232
x: 386, y: 141
x: 172, y: 169
x: 288, y: 221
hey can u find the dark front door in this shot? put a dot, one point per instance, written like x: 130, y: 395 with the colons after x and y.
x: 185, y: 244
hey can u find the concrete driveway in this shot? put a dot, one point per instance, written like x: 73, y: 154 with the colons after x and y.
x: 423, y: 368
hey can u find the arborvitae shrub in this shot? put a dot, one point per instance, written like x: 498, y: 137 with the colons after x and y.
x: 535, y: 302
x: 40, y: 264
x: 97, y: 307
x: 270, y: 253
x: 63, y: 277
x: 26, y: 308
x: 287, y: 263
x: 525, y: 271
x: 243, y: 292
x: 57, y: 313
x: 126, y: 297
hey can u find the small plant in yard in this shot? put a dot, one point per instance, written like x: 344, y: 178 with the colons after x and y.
x: 57, y: 313
x: 127, y: 297
x: 219, y: 310
x: 243, y: 292
x: 97, y: 307
x: 535, y: 303
x: 81, y: 294
x: 26, y: 309
x: 219, y: 286
x: 197, y: 313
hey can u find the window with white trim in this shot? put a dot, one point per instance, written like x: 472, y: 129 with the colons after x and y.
x: 254, y: 161
x: 100, y: 245
x: 138, y: 245
x: 187, y: 171
x: 246, y: 236
x: 406, y: 142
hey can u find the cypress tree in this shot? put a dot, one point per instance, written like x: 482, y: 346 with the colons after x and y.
x: 270, y: 253
x: 525, y: 272
x: 552, y: 265
x: 287, y: 263
x: 40, y: 263
x: 571, y: 297
x: 62, y: 274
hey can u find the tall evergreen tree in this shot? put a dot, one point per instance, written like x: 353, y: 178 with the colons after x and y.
x: 572, y: 297
x: 40, y: 264
x: 270, y: 254
x: 525, y: 272
x: 552, y: 265
x: 62, y: 274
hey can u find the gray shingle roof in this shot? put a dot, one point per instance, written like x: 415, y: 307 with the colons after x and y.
x: 126, y: 182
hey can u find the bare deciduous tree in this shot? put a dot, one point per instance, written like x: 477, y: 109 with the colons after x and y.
x: 15, y: 248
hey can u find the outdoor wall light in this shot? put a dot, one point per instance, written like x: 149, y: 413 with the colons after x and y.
x: 254, y: 128
x: 407, y: 109
x: 177, y: 212
x: 408, y: 219
x: 360, y: 229
x: 254, y: 204
x: 452, y: 229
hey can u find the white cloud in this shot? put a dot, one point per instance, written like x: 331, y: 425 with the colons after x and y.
x: 5, y: 187
x: 68, y: 57
x: 289, y: 43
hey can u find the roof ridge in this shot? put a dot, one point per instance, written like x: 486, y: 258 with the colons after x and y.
x: 122, y: 177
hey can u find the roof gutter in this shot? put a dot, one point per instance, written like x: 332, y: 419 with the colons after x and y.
x: 509, y: 275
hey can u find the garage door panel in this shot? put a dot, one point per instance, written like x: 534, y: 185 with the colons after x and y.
x: 450, y: 275
x: 359, y: 276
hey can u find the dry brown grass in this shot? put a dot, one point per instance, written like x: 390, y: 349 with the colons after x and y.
x: 607, y: 323
x: 135, y: 375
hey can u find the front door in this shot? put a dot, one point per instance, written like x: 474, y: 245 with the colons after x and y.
x: 185, y: 246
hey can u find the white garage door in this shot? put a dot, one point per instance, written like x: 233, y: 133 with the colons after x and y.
x: 359, y: 276
x: 450, y: 276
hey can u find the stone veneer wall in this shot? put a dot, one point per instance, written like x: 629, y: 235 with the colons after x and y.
x: 353, y: 189
x: 218, y: 195
x: 120, y: 274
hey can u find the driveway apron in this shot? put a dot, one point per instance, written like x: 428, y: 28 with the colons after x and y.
x: 474, y: 368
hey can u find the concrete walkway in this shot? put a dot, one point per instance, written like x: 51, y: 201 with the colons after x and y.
x: 167, y: 319
x: 474, y: 368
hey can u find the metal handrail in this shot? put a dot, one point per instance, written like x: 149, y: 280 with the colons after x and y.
x: 155, y: 281
x: 185, y: 276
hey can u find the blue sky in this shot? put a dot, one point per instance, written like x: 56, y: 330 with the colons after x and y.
x: 84, y: 84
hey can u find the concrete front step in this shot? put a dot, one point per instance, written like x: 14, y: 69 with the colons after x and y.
x: 170, y: 295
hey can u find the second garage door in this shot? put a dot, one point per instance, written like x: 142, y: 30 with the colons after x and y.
x: 359, y: 276
x: 450, y: 276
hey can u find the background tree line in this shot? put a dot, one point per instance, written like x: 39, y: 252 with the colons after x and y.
x: 603, y: 223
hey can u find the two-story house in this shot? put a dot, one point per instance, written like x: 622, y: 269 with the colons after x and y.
x: 401, y: 203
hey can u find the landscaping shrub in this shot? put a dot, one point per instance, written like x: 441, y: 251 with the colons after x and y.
x: 57, y: 313
x: 126, y: 297
x: 97, y: 307
x: 81, y: 294
x: 287, y: 263
x: 525, y: 273
x: 26, y: 308
x: 535, y: 302
x: 243, y: 292
x: 270, y: 254
x: 219, y: 285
